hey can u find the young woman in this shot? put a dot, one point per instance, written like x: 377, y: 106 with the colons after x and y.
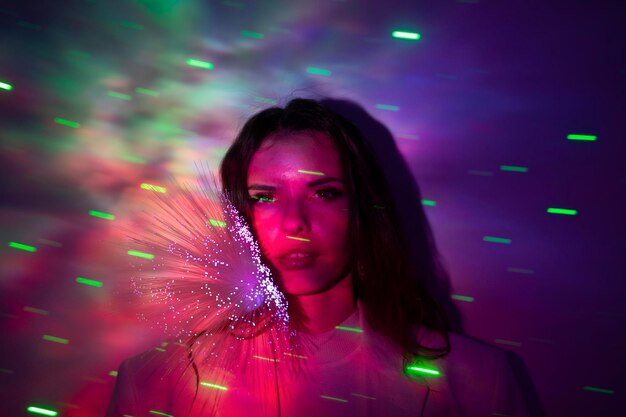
x: 376, y: 343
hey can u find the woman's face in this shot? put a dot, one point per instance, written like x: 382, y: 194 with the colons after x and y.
x: 300, y: 211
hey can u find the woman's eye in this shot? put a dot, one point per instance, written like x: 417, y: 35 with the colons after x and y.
x: 265, y: 198
x: 330, y: 194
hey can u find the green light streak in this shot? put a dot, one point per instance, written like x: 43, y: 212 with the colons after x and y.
x: 113, y: 373
x: 217, y: 223
x: 582, y: 137
x: 36, y: 310
x: 159, y: 349
x: 422, y: 370
x: 89, y: 282
x: 555, y: 210
x: 602, y: 390
x: 6, y: 86
x: 303, y: 239
x: 67, y: 123
x: 341, y: 400
x: 349, y: 329
x: 147, y: 92
x: 55, y: 339
x: 42, y: 411
x: 520, y: 270
x: 263, y: 358
x: 265, y: 100
x: 151, y: 187
x: 431, y: 203
x: 120, y: 96
x: 220, y: 387
x: 302, y: 171
x: 140, y: 254
x: 389, y: 107
x: 199, y: 64
x: 101, y: 215
x: 462, y: 298
x: 513, y: 168
x: 250, y: 34
x: 21, y: 246
x: 497, y: 240
x: 160, y: 413
x: 318, y: 71
x: 406, y: 35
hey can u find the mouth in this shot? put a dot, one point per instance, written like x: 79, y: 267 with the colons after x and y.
x: 297, y: 260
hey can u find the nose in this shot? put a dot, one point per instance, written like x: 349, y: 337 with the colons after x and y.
x: 295, y: 219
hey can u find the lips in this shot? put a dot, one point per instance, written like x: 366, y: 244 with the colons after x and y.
x: 296, y: 258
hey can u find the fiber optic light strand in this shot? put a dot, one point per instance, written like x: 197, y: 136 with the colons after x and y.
x: 302, y: 171
x: 42, y: 411
x: 151, y: 187
x: 220, y: 387
x: 68, y: 123
x: 462, y: 298
x: 423, y: 370
x: 21, y: 246
x: 431, y: 203
x: 101, y: 215
x: 318, y: 71
x: 199, y: 64
x: 140, y: 254
x: 159, y: 413
x: 6, y: 86
x: 303, y: 239
x: 582, y: 137
x: 602, y: 390
x: 494, y: 239
x: 217, y: 223
x: 146, y: 92
x: 55, y: 339
x: 349, y: 329
x: 513, y: 168
x: 121, y: 96
x: 250, y: 34
x: 389, y: 107
x: 341, y: 400
x: 90, y: 282
x: 406, y: 35
x: 554, y: 210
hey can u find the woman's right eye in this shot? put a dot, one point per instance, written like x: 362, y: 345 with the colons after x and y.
x: 264, y: 198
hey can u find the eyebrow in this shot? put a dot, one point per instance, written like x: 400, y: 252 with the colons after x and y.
x: 309, y: 184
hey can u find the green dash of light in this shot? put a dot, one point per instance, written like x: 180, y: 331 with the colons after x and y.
x: 349, y: 329
x: 22, y: 247
x: 341, y: 400
x: 318, y: 71
x: 36, y: 310
x: 118, y: 95
x: 582, y: 137
x: 55, y: 339
x: 250, y: 34
x: 303, y: 239
x: 89, y: 282
x: 67, y: 123
x: 151, y: 187
x: 113, y: 373
x: 101, y: 215
x: 496, y: 239
x: 302, y: 171
x: 555, y: 210
x: 147, y: 92
x: 140, y: 254
x: 406, y: 35
x: 217, y: 223
x: 431, y: 203
x: 159, y: 413
x: 199, y: 64
x: 6, y: 86
x: 513, y: 168
x: 423, y: 370
x: 220, y: 387
x: 42, y: 411
x: 602, y: 390
x: 462, y: 298
x: 389, y: 107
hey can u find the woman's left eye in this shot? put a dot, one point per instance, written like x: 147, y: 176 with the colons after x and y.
x: 330, y: 194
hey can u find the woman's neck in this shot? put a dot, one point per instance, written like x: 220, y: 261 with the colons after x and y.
x: 323, y: 311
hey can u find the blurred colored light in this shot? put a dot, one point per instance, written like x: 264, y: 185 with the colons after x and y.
x: 318, y: 71
x: 513, y: 168
x: 113, y: 373
x: 405, y: 35
x: 582, y: 137
x: 423, y: 370
x: 555, y: 210
x: 89, y: 282
x: 341, y: 400
x: 22, y: 247
x: 120, y: 96
x: 362, y: 396
x: 42, y: 411
x: 140, y: 254
x: 55, y: 339
x: 131, y: 25
x: 303, y: 239
x: 254, y: 35
x: 133, y: 159
x: 217, y: 223
x: 520, y: 270
x: 199, y: 64
x: 349, y: 329
x: 462, y: 298
x: 160, y: 413
x: 480, y: 173
x: 101, y: 215
x: 431, y: 203
x: 220, y: 387
x: 263, y: 358
x: 496, y: 239
x: 507, y: 342
x: 6, y: 86
x: 151, y: 187
x: 389, y: 107
x: 265, y: 100
x: 147, y: 92
x: 36, y: 310
x: 66, y: 122
x: 602, y: 390
x: 50, y: 243
x: 310, y: 172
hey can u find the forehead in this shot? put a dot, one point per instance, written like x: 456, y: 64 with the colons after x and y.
x: 285, y: 155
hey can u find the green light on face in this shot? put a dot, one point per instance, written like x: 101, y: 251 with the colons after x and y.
x: 41, y: 411
x: 159, y: 413
x: 389, y: 107
x: 298, y: 238
x: 340, y: 400
x: 318, y: 71
x: 602, y: 390
x: 422, y: 370
x: 67, y: 123
x: 513, y: 168
x: 101, y: 215
x: 462, y: 298
x: 199, y: 64
x: 89, y: 282
x: 21, y: 246
x: 311, y: 172
x: 151, y: 187
x: 55, y: 339
x: 554, y: 210
x: 582, y: 137
x: 254, y: 35
x: 430, y: 203
x: 120, y: 96
x: 217, y: 223
x: 140, y: 254
x: 113, y: 373
x: 147, y: 92
x: 6, y: 86
x: 349, y: 329
x: 220, y: 387
x: 406, y: 35
x: 497, y: 240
